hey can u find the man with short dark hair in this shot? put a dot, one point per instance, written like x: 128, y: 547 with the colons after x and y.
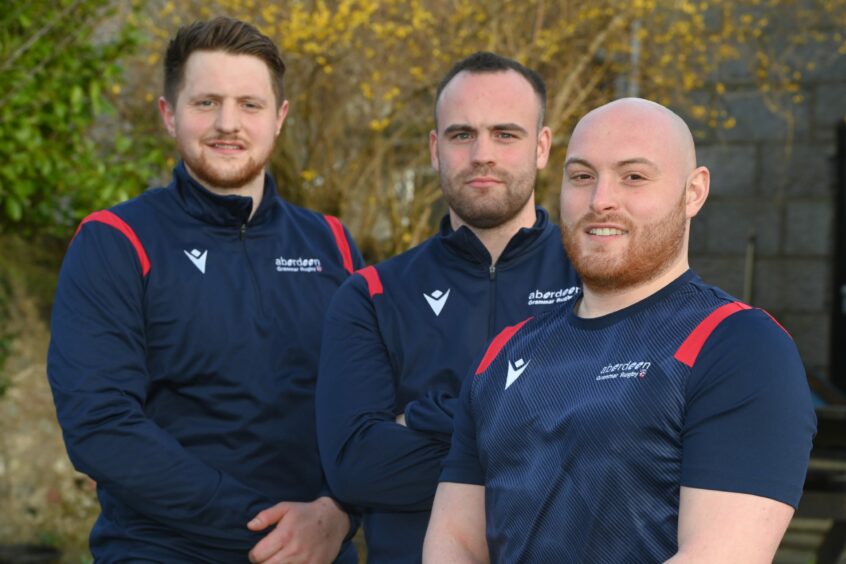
x: 400, y: 336
x: 186, y: 332
x: 656, y: 418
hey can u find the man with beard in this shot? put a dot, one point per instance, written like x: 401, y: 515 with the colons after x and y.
x: 186, y: 332
x: 400, y: 337
x: 657, y: 418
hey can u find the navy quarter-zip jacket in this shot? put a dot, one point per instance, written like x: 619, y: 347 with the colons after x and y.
x: 399, y: 338
x: 184, y: 352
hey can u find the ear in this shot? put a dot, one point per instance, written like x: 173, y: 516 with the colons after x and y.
x: 544, y: 145
x: 433, y: 150
x: 696, y: 191
x: 280, y: 116
x: 168, y: 114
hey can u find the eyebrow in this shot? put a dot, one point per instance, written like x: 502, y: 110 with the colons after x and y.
x: 215, y: 96
x: 626, y: 162
x: 496, y: 127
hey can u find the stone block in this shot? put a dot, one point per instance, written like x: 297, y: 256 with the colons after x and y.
x: 810, y: 229
x: 725, y: 272
x: 792, y: 285
x: 732, y: 167
x: 729, y: 225
x: 812, y: 334
x: 698, y: 243
x: 755, y: 121
x: 829, y: 109
x: 805, y: 170
x: 817, y: 60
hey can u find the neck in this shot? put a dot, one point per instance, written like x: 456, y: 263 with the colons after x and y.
x: 598, y: 302
x: 496, y: 238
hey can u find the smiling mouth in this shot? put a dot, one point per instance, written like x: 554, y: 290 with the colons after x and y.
x: 224, y: 145
x: 606, y: 231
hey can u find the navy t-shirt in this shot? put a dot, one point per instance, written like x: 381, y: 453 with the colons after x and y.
x: 583, y: 430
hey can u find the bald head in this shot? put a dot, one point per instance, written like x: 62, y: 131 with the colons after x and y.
x: 636, y: 117
x: 630, y: 188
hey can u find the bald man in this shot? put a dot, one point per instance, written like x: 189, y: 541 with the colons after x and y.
x: 656, y: 418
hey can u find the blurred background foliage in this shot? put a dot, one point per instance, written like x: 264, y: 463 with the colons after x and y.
x: 79, y: 80
x: 80, y: 128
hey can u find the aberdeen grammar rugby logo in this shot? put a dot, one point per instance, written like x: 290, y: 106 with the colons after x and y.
x: 622, y: 370
x: 539, y: 297
x: 298, y: 264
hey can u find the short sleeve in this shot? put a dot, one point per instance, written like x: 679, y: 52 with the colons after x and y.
x: 462, y: 463
x: 750, y: 421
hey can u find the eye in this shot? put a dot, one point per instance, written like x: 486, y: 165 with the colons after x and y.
x: 634, y: 177
x: 205, y: 103
x: 580, y: 177
x: 461, y: 136
x: 252, y: 105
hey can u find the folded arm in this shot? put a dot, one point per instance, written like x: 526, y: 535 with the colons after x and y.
x: 370, y: 459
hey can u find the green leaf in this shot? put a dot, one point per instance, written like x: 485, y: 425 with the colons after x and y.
x: 14, y: 210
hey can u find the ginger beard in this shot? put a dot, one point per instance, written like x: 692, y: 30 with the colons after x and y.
x: 651, y: 250
x: 493, y: 206
x: 222, y: 174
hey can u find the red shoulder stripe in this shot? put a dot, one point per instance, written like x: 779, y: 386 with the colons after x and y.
x: 107, y: 217
x: 341, y: 240
x: 497, y: 344
x: 371, y: 276
x: 691, y: 347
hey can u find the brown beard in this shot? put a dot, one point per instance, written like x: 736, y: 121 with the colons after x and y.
x: 653, y: 248
x: 478, y: 210
x: 208, y: 176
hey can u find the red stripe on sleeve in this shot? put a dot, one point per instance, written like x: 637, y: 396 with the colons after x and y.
x: 107, y: 217
x: 341, y: 240
x: 691, y: 347
x: 371, y: 276
x: 497, y: 344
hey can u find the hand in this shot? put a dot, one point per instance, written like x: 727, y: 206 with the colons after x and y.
x: 304, y: 533
x: 401, y: 419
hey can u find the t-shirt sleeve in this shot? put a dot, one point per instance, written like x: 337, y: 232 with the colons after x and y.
x: 750, y: 420
x: 462, y: 463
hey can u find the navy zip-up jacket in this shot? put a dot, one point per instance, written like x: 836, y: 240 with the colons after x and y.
x: 399, y: 338
x: 184, y: 352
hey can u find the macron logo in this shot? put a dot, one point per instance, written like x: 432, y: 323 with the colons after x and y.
x: 198, y: 258
x: 437, y: 300
x: 514, y: 371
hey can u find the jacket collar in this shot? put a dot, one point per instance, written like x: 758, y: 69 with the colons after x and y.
x: 464, y: 242
x: 214, y: 209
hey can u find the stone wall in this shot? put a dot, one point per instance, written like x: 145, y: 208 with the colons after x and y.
x: 773, y: 176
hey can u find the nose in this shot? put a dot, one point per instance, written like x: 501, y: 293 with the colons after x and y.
x: 604, y: 196
x: 227, y: 117
x: 483, y: 151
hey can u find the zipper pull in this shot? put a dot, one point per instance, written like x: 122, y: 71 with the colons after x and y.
x: 492, y: 270
x: 243, y: 231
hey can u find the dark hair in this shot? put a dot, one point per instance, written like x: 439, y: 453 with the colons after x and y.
x: 220, y: 34
x: 487, y: 62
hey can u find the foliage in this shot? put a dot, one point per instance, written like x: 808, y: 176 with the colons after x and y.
x: 362, y: 76
x: 63, y: 149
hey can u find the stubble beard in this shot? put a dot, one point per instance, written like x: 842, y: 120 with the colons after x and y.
x: 491, y: 207
x: 217, y: 175
x: 652, y: 250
